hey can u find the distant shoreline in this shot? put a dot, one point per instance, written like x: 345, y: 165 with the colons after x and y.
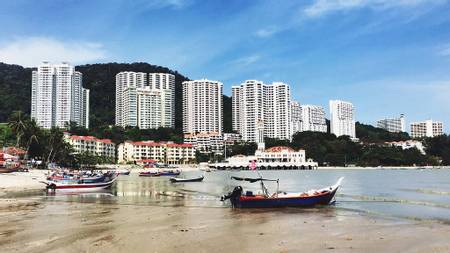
x: 384, y: 168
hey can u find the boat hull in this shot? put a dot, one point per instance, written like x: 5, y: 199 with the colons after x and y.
x: 184, y: 180
x: 56, y: 186
x: 275, y: 202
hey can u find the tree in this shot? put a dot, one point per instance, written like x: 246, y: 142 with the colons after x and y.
x: 17, y: 124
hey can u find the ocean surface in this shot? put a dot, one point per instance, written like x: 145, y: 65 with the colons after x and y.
x: 422, y: 195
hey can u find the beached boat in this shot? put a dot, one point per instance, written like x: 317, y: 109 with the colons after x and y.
x: 184, y: 180
x: 167, y: 172
x: 149, y: 174
x: 239, y: 199
x: 81, y: 185
x: 8, y: 165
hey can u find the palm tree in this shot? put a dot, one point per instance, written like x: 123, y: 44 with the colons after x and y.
x: 32, y: 133
x: 17, y: 124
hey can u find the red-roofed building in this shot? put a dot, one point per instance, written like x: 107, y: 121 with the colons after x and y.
x: 161, y: 152
x: 90, y: 144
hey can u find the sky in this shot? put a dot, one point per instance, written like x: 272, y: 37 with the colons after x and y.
x: 386, y: 57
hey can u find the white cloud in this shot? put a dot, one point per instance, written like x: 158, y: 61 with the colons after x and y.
x: 323, y: 7
x: 245, y: 61
x: 444, y: 50
x: 31, y: 51
x: 267, y: 32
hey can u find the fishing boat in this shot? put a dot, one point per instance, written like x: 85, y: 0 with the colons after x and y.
x: 123, y: 172
x: 81, y: 185
x: 310, y: 198
x: 184, y: 180
x: 149, y: 174
x: 166, y: 172
x: 8, y: 163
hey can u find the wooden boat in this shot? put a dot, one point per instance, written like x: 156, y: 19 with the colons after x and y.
x: 183, y: 180
x: 149, y: 174
x: 9, y: 169
x: 62, y: 185
x: 310, y: 198
x: 167, y: 172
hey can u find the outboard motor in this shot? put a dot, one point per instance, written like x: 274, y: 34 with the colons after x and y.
x: 233, y: 195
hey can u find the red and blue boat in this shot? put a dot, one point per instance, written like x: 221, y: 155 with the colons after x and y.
x: 103, y: 182
x: 310, y: 198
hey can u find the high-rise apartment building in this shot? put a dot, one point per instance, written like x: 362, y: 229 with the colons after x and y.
x: 57, y: 96
x: 202, y: 106
x: 313, y: 118
x: 427, y: 128
x: 145, y: 100
x: 296, y: 117
x: 393, y: 125
x: 254, y: 102
x: 342, y: 118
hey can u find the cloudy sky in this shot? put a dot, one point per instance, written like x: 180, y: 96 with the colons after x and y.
x: 387, y: 57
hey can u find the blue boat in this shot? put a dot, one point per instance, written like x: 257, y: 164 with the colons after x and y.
x: 310, y: 198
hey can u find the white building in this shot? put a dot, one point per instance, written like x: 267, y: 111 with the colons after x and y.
x: 231, y: 138
x: 205, y: 142
x: 92, y: 145
x: 145, y: 100
x: 342, y: 118
x: 296, y: 117
x: 57, y: 96
x: 427, y: 128
x: 162, y: 152
x: 393, y: 125
x: 313, y: 118
x: 254, y: 101
x: 408, y: 144
x: 202, y: 106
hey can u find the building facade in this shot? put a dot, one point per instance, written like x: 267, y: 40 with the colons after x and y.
x: 57, y: 96
x: 313, y: 118
x: 254, y: 102
x: 342, y: 120
x: 427, y: 128
x: 92, y: 145
x: 162, y: 152
x: 145, y: 100
x: 393, y: 125
x: 206, y: 142
x: 202, y: 106
x: 296, y: 117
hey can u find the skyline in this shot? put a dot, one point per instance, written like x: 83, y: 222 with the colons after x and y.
x: 386, y: 58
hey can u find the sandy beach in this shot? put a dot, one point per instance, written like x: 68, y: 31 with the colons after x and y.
x: 110, y: 228
x: 21, y: 181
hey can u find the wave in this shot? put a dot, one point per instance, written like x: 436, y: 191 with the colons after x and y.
x: 394, y: 200
x: 428, y: 191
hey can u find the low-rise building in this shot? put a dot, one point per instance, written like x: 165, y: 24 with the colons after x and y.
x: 206, y: 142
x: 92, y: 145
x: 393, y: 125
x: 427, y: 128
x: 232, y: 138
x: 161, y: 152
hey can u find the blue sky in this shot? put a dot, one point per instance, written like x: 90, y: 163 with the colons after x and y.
x: 387, y: 57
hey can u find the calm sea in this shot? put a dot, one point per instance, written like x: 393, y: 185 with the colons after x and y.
x: 405, y: 194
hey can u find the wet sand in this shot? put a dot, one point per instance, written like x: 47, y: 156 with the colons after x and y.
x: 31, y: 225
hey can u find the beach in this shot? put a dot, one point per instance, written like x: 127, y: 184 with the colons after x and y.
x: 375, y: 211
x: 110, y: 228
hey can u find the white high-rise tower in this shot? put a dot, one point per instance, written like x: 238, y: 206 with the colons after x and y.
x: 342, y: 118
x: 254, y: 101
x: 145, y: 101
x: 57, y: 96
x: 202, y: 106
